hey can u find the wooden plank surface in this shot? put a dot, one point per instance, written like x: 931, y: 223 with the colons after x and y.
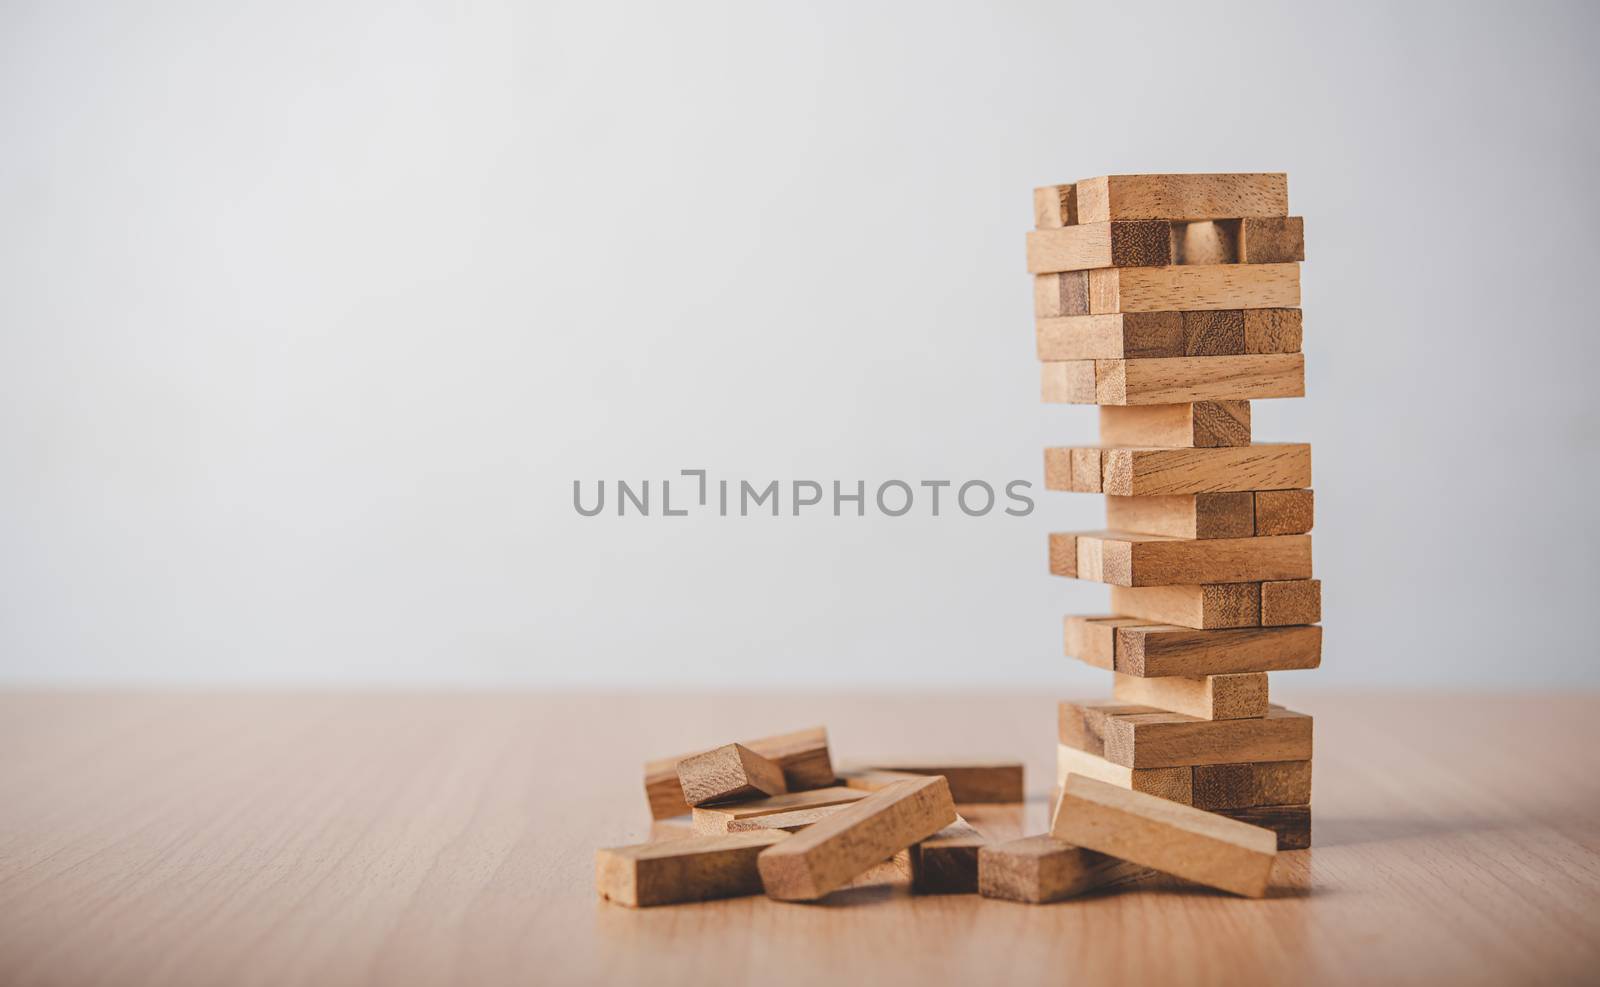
x: 412, y: 839
x: 1125, y: 558
x: 1201, y: 286
x: 1154, y: 472
x: 1174, y: 380
x: 1196, y: 424
x: 1217, y: 195
x: 1149, y: 335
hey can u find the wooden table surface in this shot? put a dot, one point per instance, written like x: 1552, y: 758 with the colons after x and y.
x: 423, y: 839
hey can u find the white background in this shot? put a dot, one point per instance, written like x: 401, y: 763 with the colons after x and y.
x: 313, y: 313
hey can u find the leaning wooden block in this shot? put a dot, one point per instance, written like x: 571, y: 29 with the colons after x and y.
x: 1201, y: 286
x: 713, y: 819
x: 1195, y: 424
x: 1144, y: 737
x: 1284, y: 512
x: 1154, y: 832
x: 1290, y: 823
x: 803, y: 756
x: 1155, y: 472
x: 1205, y: 697
x: 1061, y: 294
x: 1041, y: 869
x: 947, y: 861
x: 1293, y: 601
x: 1229, y: 514
x: 729, y: 773
x: 1202, y: 606
x: 1124, y: 558
x: 1055, y: 206
x: 969, y: 781
x: 1249, y: 785
x: 1181, y: 197
x: 828, y: 853
x: 1175, y: 783
x: 696, y: 868
x: 1154, y: 650
x: 790, y: 822
x: 1086, y: 246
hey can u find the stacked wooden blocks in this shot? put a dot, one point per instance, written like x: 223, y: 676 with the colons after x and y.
x: 1172, y: 302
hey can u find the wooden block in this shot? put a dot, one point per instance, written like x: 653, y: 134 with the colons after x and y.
x: 1290, y: 823
x: 1061, y: 294
x: 1284, y: 512
x: 1041, y: 869
x: 1152, y: 472
x: 1064, y: 555
x: 695, y: 868
x: 1094, y: 639
x: 727, y: 774
x: 1181, y: 197
x: 1205, y: 697
x: 1204, y: 515
x: 1272, y: 240
x: 1173, y: 381
x: 790, y: 822
x: 1125, y: 558
x: 1067, y: 382
x: 969, y: 781
x: 1144, y: 737
x: 1153, y: 335
x: 947, y: 861
x: 1154, y: 832
x: 713, y: 819
x: 826, y: 854
x: 1087, y: 246
x: 803, y: 756
x: 1291, y: 601
x: 1175, y: 783
x: 872, y: 779
x: 1055, y: 206
x: 1199, y: 424
x: 1272, y: 330
x: 1155, y: 650
x: 1203, y: 606
x: 1200, y: 286
x: 1243, y: 786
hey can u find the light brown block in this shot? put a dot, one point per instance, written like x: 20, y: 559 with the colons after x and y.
x: 1055, y: 206
x: 1290, y: 823
x: 1202, y: 424
x: 1154, y: 832
x: 1205, y: 515
x: 1181, y: 197
x: 969, y: 781
x: 1087, y: 470
x: 1094, y: 639
x: 1272, y: 330
x: 947, y: 861
x: 872, y: 779
x: 1205, y: 697
x: 1067, y: 382
x: 1292, y: 601
x: 1064, y: 555
x: 1272, y: 240
x: 803, y: 756
x: 1201, y: 286
x: 1242, y: 786
x: 1086, y: 246
x: 729, y: 773
x: 1199, y: 378
x: 1204, y: 606
x: 791, y: 821
x: 826, y: 854
x: 695, y: 868
x: 1153, y: 335
x: 1284, y: 512
x: 712, y: 819
x: 1124, y: 558
x: 1061, y: 294
x: 1041, y: 869
x: 1175, y: 783
x: 1155, y: 472
x: 1144, y: 737
x: 1155, y: 650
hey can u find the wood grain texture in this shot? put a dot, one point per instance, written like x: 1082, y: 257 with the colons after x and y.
x: 1186, y: 287
x: 1175, y: 783
x: 1094, y: 639
x: 1055, y: 206
x: 969, y: 780
x: 1153, y: 650
x: 947, y: 861
x: 1150, y: 335
x: 1062, y: 294
x: 1144, y: 737
x: 789, y: 822
x: 728, y: 773
x: 1125, y: 558
x: 1271, y: 330
x: 407, y: 839
x: 1290, y: 823
x: 1293, y: 601
x: 1284, y: 512
x: 1182, y: 196
x: 803, y: 755
x: 825, y: 855
x: 1272, y: 240
x: 1205, y: 697
x: 1203, y: 606
x: 1037, y: 870
x: 1156, y: 472
x: 1243, y: 786
x: 695, y: 869
x: 1087, y: 246
x: 712, y: 819
x: 1200, y: 424
x: 1172, y: 838
x: 1173, y: 381
x: 1202, y: 516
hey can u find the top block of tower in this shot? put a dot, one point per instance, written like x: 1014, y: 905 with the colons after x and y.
x: 1204, y: 196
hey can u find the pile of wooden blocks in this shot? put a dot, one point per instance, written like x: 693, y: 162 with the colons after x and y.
x: 1172, y: 302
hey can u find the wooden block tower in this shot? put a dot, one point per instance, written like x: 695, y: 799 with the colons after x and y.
x: 1172, y: 302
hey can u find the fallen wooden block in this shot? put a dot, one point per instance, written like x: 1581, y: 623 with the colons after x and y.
x: 1290, y: 823
x: 713, y: 819
x: 1145, y: 737
x: 1090, y: 245
x: 696, y: 868
x: 1181, y: 197
x: 1123, y: 558
x: 728, y: 773
x: 947, y: 861
x: 1190, y: 287
x: 1292, y: 601
x: 789, y: 822
x: 1201, y: 606
x: 1055, y: 206
x: 826, y: 854
x: 1205, y: 697
x: 1154, y: 832
x: 1155, y: 650
x: 1250, y: 785
x: 1157, y: 472
x: 1284, y: 512
x: 1061, y: 294
x: 969, y: 781
x: 803, y: 756
x: 1194, y: 424
x: 1230, y: 514
x: 1174, y: 380
x: 1176, y: 783
x: 1041, y: 869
